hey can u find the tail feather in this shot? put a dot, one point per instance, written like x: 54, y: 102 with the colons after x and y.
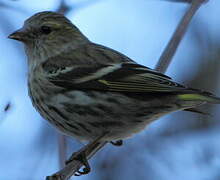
x: 194, y: 110
x: 203, y: 96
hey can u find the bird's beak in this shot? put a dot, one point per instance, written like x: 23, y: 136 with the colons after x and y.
x: 19, y: 35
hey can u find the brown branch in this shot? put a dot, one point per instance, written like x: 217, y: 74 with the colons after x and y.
x: 173, y: 44
x: 62, y: 146
x: 71, y: 168
x: 63, y: 7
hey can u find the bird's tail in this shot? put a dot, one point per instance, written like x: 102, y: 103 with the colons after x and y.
x: 202, y: 97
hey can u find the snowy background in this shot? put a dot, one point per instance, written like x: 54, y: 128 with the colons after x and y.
x: 179, y: 146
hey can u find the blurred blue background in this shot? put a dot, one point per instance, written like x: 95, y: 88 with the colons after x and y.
x: 179, y: 146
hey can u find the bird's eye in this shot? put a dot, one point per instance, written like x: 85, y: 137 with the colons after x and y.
x: 45, y: 29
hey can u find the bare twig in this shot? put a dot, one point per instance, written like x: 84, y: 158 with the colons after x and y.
x: 62, y: 146
x: 173, y: 44
x: 63, y: 7
x: 72, y: 167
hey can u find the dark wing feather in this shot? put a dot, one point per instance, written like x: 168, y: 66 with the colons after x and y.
x: 127, y: 77
x: 137, y: 78
x: 95, y: 67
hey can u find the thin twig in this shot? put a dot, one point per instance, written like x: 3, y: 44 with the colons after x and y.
x: 62, y: 146
x: 63, y: 7
x: 62, y: 143
x: 72, y: 167
x: 173, y: 44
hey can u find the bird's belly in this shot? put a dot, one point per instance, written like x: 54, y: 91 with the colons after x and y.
x: 87, y: 115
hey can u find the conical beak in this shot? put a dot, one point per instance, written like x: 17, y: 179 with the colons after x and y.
x: 19, y: 35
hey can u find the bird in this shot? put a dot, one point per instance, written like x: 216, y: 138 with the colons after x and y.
x: 87, y: 90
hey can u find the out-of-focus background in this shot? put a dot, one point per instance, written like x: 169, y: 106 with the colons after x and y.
x: 180, y: 146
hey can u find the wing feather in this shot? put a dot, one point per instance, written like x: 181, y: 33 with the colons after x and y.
x: 127, y: 77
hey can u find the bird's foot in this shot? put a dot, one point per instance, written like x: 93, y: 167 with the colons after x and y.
x: 117, y: 143
x: 80, y: 156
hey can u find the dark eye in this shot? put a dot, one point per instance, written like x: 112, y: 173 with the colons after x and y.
x: 45, y: 29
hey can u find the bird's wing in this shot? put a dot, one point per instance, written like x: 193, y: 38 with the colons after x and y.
x: 123, y: 77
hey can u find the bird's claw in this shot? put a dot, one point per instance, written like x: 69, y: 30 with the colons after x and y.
x: 117, y: 143
x: 86, y: 170
x: 83, y: 159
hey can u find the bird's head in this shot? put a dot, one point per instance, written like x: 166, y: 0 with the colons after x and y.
x: 49, y: 31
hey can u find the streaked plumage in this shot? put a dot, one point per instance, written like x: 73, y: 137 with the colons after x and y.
x: 85, y: 89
